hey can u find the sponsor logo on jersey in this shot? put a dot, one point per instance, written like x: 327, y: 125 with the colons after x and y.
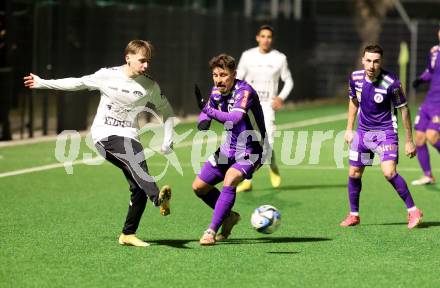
x: 386, y: 148
x: 358, y: 77
x: 125, y: 91
x: 378, y: 98
x: 138, y: 93
x: 119, y: 123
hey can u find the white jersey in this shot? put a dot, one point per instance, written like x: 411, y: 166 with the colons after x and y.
x: 263, y: 72
x: 122, y: 99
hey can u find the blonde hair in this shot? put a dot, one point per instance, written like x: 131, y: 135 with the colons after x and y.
x: 135, y: 46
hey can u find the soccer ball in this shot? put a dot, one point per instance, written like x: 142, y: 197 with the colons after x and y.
x: 266, y: 219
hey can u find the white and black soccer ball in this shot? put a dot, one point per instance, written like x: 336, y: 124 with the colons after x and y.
x: 266, y: 219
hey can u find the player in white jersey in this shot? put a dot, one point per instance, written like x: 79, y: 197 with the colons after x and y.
x: 125, y: 90
x: 262, y: 67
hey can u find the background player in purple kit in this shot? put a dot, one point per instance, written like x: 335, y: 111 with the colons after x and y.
x: 427, y: 122
x: 235, y: 104
x: 376, y: 94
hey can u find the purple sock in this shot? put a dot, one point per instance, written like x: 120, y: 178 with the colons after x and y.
x: 211, y: 197
x: 223, y: 207
x: 400, y: 185
x: 437, y: 145
x: 423, y: 156
x: 354, y: 191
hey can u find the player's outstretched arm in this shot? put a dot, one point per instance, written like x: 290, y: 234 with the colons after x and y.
x: 90, y: 82
x: 410, y: 147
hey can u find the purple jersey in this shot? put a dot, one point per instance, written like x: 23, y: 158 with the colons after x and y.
x: 377, y: 100
x: 432, y: 73
x: 241, y: 112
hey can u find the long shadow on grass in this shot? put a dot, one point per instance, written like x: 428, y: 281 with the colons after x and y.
x: 282, y: 252
x: 175, y: 243
x: 264, y: 240
x: 304, y: 187
x: 181, y: 243
x: 421, y: 225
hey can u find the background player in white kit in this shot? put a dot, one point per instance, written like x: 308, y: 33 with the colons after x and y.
x: 125, y: 90
x: 262, y: 67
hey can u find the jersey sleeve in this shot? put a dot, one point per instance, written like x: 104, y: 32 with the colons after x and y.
x: 91, y: 82
x: 397, y: 94
x: 243, y: 100
x: 162, y: 105
x: 286, y: 76
x: 351, y: 88
x: 95, y: 80
x: 160, y: 102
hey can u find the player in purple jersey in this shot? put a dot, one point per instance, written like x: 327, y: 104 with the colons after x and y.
x: 427, y: 122
x: 376, y: 94
x: 235, y: 104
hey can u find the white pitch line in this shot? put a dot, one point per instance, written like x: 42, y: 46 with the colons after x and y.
x: 299, y: 124
x: 314, y: 121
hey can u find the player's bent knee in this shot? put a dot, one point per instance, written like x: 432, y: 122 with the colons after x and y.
x: 420, y: 138
x: 355, y: 172
x: 389, y: 174
x: 233, y: 177
x: 432, y: 136
x: 200, y: 188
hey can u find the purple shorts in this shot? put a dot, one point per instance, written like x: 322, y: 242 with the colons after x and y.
x: 367, y: 143
x: 428, y: 117
x: 214, y: 169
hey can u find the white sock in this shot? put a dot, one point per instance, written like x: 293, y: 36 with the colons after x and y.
x: 354, y: 213
x: 414, y: 208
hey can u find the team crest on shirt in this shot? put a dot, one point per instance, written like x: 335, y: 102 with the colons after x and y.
x: 436, y: 119
x: 378, y: 98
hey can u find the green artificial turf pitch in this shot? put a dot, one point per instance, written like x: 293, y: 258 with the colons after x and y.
x: 60, y: 230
